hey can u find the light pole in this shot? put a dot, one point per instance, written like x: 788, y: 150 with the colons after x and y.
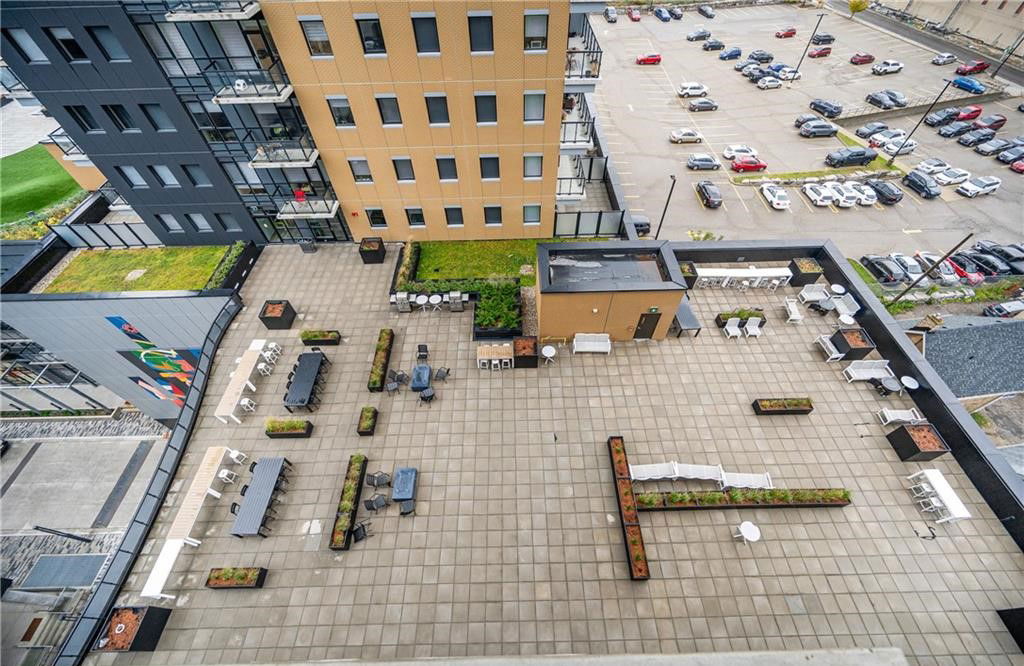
x: 933, y: 266
x: 671, y: 189
x: 1009, y: 53
x: 813, y: 33
x: 920, y: 120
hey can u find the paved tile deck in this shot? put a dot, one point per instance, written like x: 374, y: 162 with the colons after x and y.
x: 515, y: 548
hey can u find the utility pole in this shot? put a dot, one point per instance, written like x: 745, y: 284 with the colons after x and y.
x: 925, y: 273
x: 1009, y: 53
x: 813, y: 33
x: 920, y: 120
x: 671, y: 189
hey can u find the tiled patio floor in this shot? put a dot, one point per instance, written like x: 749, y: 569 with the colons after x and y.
x: 515, y: 547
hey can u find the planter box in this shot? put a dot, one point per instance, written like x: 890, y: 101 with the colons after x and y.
x: 907, y: 442
x: 720, y: 321
x: 628, y: 518
x: 800, y: 277
x: 261, y: 577
x: 853, y: 343
x: 372, y: 250
x: 369, y: 431
x: 133, y: 629
x: 323, y: 342
x: 355, y: 507
x: 689, y: 277
x: 762, y: 410
x: 663, y: 504
x: 278, y: 322
x: 299, y: 434
x: 384, y: 370
x: 525, y: 351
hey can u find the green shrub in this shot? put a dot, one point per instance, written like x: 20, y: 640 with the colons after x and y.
x: 380, y: 358
x: 649, y: 499
x: 711, y: 498
x: 343, y: 520
x: 367, y: 418
x: 680, y: 497
x: 226, y: 265
x: 410, y: 259
x: 285, y: 425
x: 318, y: 335
x: 742, y: 313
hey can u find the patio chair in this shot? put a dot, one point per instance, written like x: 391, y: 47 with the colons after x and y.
x: 244, y: 490
x: 732, y: 328
x: 252, y: 467
x: 407, y: 507
x: 421, y: 352
x: 427, y: 396
x: 442, y: 374
x: 227, y: 476
x: 753, y: 327
x: 247, y: 405
x: 402, y: 378
x: 264, y: 369
x: 359, y: 531
x: 793, y: 314
x: 234, y: 508
x: 237, y: 456
x: 392, y: 376
x: 274, y: 347
x: 922, y: 490
x: 930, y: 504
x: 391, y: 388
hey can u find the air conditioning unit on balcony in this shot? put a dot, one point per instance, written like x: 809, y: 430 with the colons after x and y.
x: 241, y: 85
x: 536, y: 43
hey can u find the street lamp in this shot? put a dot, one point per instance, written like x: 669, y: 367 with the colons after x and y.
x: 813, y: 33
x: 671, y: 189
x: 920, y: 120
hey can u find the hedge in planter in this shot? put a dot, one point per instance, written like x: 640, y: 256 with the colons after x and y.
x: 236, y: 578
x: 381, y: 359
x: 918, y: 442
x: 320, y: 337
x: 771, y: 406
x: 288, y: 428
x: 744, y: 497
x: 341, y: 535
x: 805, y: 271
x: 367, y: 421
x: 743, y: 314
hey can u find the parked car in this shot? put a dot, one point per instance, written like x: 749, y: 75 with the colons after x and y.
x: 804, y: 118
x: 1011, y: 155
x: 707, y: 11
x: 887, y: 192
x: 827, y: 108
x: 676, y: 12
x: 879, y: 99
x: 965, y: 268
x: 911, y: 268
x: 864, y: 131
x: 817, y: 128
x: 747, y: 163
x: 789, y: 74
x: 943, y: 59
x: 703, y: 104
x: 698, y: 35
x: 978, y: 186
x: 992, y: 146
x: 778, y: 67
x: 818, y: 194
x: 743, y: 64
x: 969, y: 112
x: 902, y: 146
x: 730, y: 53
x: 923, y: 184
x: 755, y: 74
x: 761, y: 56
x: 976, y: 137
x: 1018, y: 140
x: 883, y: 268
x: 649, y: 59
x: 662, y: 14
x: 850, y: 157
x: 885, y: 136
x: 861, y: 58
x: 633, y: 13
x: 842, y: 197
x: 820, y: 52
x: 952, y: 176
x: 887, y: 67
x: 611, y: 14
x: 822, y: 38
x: 1011, y: 256
x: 865, y: 195
x: 972, y: 67
x: 709, y: 194
x: 988, y: 265
x: 775, y: 196
x: 749, y: 67
x: 685, y: 135
x: 932, y: 165
x: 703, y: 162
x: 1017, y: 167
x: 692, y: 89
x: 738, y: 150
x: 713, y: 45
x: 969, y: 84
x: 992, y: 122
x: 938, y: 271
x: 1005, y: 310
x: 785, y: 33
x: 898, y: 98
x: 769, y: 83
x: 955, y: 128
x: 941, y: 117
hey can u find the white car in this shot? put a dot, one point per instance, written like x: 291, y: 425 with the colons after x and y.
x: 946, y: 275
x: 685, y: 135
x: 818, y: 194
x: 943, y: 59
x: 842, y: 197
x: 865, y: 195
x: 932, y: 165
x: 886, y: 67
x: 775, y: 196
x: 899, y: 147
x: 693, y: 89
x: 769, y: 82
x: 976, y: 186
x: 912, y: 268
x: 738, y: 150
x: 952, y: 176
x: 749, y: 68
x: 885, y: 136
x: 789, y: 74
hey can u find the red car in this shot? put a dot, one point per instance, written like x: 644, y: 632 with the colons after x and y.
x: 747, y: 163
x: 971, y: 276
x: 786, y: 32
x: 820, y: 52
x: 862, y: 58
x: 1017, y: 166
x: 972, y: 67
x: 633, y: 13
x: 648, y: 59
x: 969, y: 112
x: 993, y: 122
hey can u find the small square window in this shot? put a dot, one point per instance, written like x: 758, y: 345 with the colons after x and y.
x: 446, y: 169
x: 403, y: 169
x: 533, y: 166
x: 492, y: 215
x: 342, y: 112
x: 316, y: 37
x: 481, y: 34
x: 67, y: 45
x: 108, y: 43
x: 132, y: 175
x: 531, y: 214
x: 489, y: 167
x: 486, y: 107
x: 415, y: 217
x: 389, y: 111
x: 196, y: 174
x: 170, y: 224
x: 164, y: 175
x: 119, y: 115
x: 376, y: 218
x: 157, y: 117
x: 533, y: 107
x: 453, y: 216
x: 437, y: 109
x: 228, y: 221
x: 425, y: 30
x: 371, y: 35
x: 83, y: 118
x: 26, y: 46
x: 360, y: 170
x: 535, y: 32
x: 198, y: 221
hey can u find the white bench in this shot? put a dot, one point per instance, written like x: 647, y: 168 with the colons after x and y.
x: 899, y: 416
x: 830, y: 350
x: 812, y: 293
x: 597, y: 343
x: 862, y: 371
x: 793, y: 313
x: 671, y: 471
x: 846, y: 305
x: 740, y: 480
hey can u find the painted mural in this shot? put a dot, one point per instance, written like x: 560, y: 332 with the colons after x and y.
x: 168, y: 372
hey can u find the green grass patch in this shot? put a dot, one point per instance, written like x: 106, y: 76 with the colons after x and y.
x: 32, y: 181
x: 994, y: 292
x: 167, y: 268
x: 980, y: 419
x: 864, y: 274
x: 461, y: 260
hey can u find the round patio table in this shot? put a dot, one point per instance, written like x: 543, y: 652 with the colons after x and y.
x: 435, y: 301
x: 749, y: 532
x: 548, y: 352
x: 837, y: 289
x: 889, y: 385
x: 421, y: 300
x: 909, y: 383
x: 847, y: 320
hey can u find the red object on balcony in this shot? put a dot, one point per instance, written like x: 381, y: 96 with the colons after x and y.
x: 300, y: 196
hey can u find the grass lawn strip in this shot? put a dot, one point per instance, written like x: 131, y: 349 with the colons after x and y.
x: 168, y: 268
x: 458, y: 260
x: 32, y: 181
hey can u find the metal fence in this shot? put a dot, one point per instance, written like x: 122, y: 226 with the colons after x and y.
x: 112, y: 235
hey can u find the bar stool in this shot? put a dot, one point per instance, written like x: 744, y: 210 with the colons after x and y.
x: 237, y: 456
x: 274, y: 347
x: 774, y: 285
x: 922, y: 490
x: 263, y: 369
x: 930, y: 504
x: 247, y: 405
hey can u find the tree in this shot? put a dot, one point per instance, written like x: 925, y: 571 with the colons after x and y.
x: 857, y: 6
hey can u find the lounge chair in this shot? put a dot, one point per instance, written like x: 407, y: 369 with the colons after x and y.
x: 793, y: 314
x: 753, y: 327
x: 732, y: 328
x: 812, y: 293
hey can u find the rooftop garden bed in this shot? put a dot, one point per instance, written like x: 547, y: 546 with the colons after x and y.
x: 351, y: 489
x: 636, y: 555
x: 288, y: 428
x: 381, y: 360
x: 148, y: 269
x: 743, y: 314
x: 236, y: 578
x: 744, y: 497
x: 320, y: 337
x: 854, y: 343
x: 776, y: 406
x: 918, y: 442
x: 34, y: 182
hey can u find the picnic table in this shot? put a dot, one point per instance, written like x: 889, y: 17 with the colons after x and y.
x: 307, y: 370
x: 403, y: 484
x: 257, y: 498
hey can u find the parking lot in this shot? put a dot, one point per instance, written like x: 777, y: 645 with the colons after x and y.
x: 638, y: 107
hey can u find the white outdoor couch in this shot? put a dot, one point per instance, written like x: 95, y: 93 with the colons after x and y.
x: 793, y: 314
x: 740, y: 480
x: 862, y: 371
x: 598, y: 343
x: 825, y: 342
x: 672, y: 470
x: 899, y: 416
x: 846, y: 305
x: 812, y: 293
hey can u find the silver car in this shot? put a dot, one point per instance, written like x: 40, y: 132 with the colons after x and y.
x: 685, y: 135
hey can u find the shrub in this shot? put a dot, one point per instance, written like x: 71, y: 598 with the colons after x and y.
x: 286, y: 425
x: 226, y: 265
x: 380, y: 358
x: 711, y: 498
x: 410, y: 259
x: 680, y: 497
x: 649, y: 499
x: 318, y: 335
x: 343, y: 521
x: 742, y: 313
x: 367, y: 418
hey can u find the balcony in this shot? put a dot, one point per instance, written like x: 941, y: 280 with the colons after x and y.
x: 577, y: 129
x: 582, y: 184
x: 116, y: 201
x: 304, y: 203
x: 72, y: 151
x: 284, y: 153
x: 211, y: 10
x: 583, y: 56
x: 13, y: 86
x: 250, y: 86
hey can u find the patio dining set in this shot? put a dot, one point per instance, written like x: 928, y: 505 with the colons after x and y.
x: 421, y: 378
x: 260, y: 496
x: 403, y: 490
x: 306, y: 381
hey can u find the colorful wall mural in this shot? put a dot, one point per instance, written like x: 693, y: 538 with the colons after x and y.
x: 169, y: 372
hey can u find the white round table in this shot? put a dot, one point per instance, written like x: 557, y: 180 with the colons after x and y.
x: 750, y: 532
x: 548, y: 352
x: 435, y: 300
x: 421, y: 300
x: 909, y: 383
x: 837, y: 289
x: 847, y: 320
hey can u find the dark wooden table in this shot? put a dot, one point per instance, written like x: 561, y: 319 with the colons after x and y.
x: 307, y: 370
x: 257, y: 497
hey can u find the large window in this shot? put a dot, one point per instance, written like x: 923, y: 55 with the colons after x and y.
x: 108, y: 43
x: 342, y: 112
x: 486, y: 107
x: 170, y: 224
x: 26, y: 46
x: 132, y: 175
x: 360, y: 170
x: 83, y: 118
x: 425, y: 30
x: 157, y: 117
x: 533, y: 165
x: 446, y: 169
x: 389, y: 112
x: 67, y: 45
x: 489, y: 169
x: 164, y: 175
x: 371, y: 35
x: 492, y: 216
x: 437, y: 109
x: 403, y: 169
x: 199, y: 221
x: 533, y: 106
x: 535, y: 32
x: 376, y: 218
x: 196, y: 175
x: 415, y: 217
x: 316, y: 37
x: 481, y: 34
x: 453, y: 216
x: 228, y: 221
x: 119, y: 115
x: 531, y: 214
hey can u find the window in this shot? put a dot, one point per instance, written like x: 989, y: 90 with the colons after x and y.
x: 199, y: 222
x: 446, y: 169
x: 360, y: 170
x: 389, y: 113
x: 164, y: 176
x: 81, y: 115
x: 415, y: 217
x: 26, y: 46
x: 492, y: 215
x: 67, y: 44
x: 533, y: 166
x: 403, y: 169
x: 370, y: 34
x: 376, y: 217
x: 169, y: 223
x: 531, y: 214
x: 196, y: 175
x: 489, y: 167
x: 157, y: 117
x: 481, y: 34
x: 120, y: 117
x: 453, y: 216
x: 108, y: 43
x: 316, y: 37
x: 132, y: 175
x: 342, y: 112
x: 228, y: 221
x: 486, y: 107
x: 535, y: 32
x: 425, y: 29
x: 533, y: 107
x: 437, y: 109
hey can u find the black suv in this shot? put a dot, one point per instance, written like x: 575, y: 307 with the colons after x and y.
x: 870, y: 129
x: 756, y: 74
x: 826, y: 108
x: 888, y: 193
x: 879, y: 99
x: 804, y: 118
x: 709, y: 194
x: 883, y: 268
x: 816, y: 128
x: 955, y: 128
x: 713, y: 45
x: 923, y: 184
x: 761, y: 56
x: 850, y: 157
x: 942, y: 116
x: 707, y: 11
x: 976, y: 137
x: 698, y: 35
x: 1010, y: 255
x: 989, y: 265
x: 822, y: 38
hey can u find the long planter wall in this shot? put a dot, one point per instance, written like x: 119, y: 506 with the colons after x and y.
x: 666, y: 506
x: 627, y: 518
x: 355, y: 505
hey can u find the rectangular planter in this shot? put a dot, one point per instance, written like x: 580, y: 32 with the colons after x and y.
x: 133, y: 629
x: 663, y: 504
x: 690, y: 274
x: 720, y: 322
x: 628, y: 517
x: 801, y: 278
x: 372, y: 250
x: 852, y: 352
x: 261, y: 578
x: 523, y: 355
x: 300, y: 434
x: 279, y: 322
x: 368, y: 431
x: 355, y: 508
x: 384, y: 370
x: 323, y: 342
x: 907, y: 448
x: 763, y: 411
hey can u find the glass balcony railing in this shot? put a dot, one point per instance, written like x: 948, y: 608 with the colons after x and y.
x: 66, y: 144
x: 583, y: 57
x: 115, y: 200
x: 577, y: 122
x: 10, y: 82
x: 284, y: 153
x: 304, y: 202
x: 249, y: 86
x: 211, y: 10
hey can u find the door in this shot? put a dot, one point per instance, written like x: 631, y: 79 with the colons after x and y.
x: 646, y: 326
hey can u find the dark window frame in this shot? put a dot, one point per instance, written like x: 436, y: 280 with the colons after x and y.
x: 336, y: 109
x: 369, y: 42
x: 435, y: 97
x: 357, y: 176
x: 491, y: 209
x: 427, y: 39
x: 64, y: 44
x: 381, y: 100
x: 477, y: 36
x: 84, y: 119
x: 316, y: 47
x: 375, y: 213
x: 492, y: 99
x: 93, y: 32
x: 409, y: 217
x: 398, y: 174
x: 8, y: 32
x: 448, y: 217
x: 441, y: 174
x: 491, y: 159
x: 122, y: 119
